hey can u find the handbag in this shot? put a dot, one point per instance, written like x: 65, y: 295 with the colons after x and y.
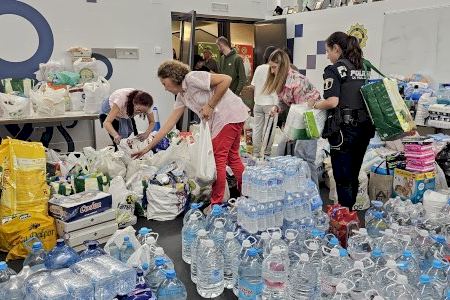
x: 95, y: 92
x: 386, y: 107
x: 48, y: 101
x: 15, y: 107
x: 380, y: 186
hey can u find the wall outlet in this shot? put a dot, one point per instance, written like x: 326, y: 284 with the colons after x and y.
x: 127, y: 53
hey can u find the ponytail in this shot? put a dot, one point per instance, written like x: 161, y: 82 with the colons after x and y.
x: 138, y: 97
x: 350, y: 47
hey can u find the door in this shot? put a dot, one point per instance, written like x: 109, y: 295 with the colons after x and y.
x: 269, y: 33
x: 187, y: 39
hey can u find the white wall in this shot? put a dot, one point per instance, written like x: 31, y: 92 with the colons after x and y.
x: 318, y: 25
x: 142, y: 24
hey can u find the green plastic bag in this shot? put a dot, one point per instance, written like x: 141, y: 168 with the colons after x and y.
x: 65, y: 78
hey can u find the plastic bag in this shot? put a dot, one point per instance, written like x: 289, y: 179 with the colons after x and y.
x: 118, y: 236
x: 48, y: 68
x: 123, y: 201
x: 76, y: 95
x: 22, y: 177
x: 131, y: 145
x: 15, y: 107
x: 106, y: 161
x: 295, y: 128
x: 49, y: 102
x: 95, y: 93
x: 65, y: 77
x: 165, y: 202
x: 18, y: 229
x: 141, y: 256
x: 175, y: 153
x: 362, y: 198
x: 18, y: 87
x: 202, y: 156
x: 87, y: 68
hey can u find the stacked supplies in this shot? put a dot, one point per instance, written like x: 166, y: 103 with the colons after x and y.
x: 419, y: 154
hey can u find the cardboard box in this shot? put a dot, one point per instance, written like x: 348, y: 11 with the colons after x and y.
x: 67, y: 227
x: 78, y: 206
x: 96, y: 232
x: 411, y: 185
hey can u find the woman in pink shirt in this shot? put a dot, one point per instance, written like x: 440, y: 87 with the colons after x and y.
x: 292, y: 88
x: 209, y: 96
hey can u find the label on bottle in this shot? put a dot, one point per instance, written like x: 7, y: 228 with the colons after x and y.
x: 216, y: 276
x: 248, y: 290
x: 190, y: 236
x: 173, y: 291
x: 327, y: 286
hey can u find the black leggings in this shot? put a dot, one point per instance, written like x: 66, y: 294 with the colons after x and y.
x: 116, y: 126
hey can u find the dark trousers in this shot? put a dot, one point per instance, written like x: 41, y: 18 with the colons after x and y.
x: 346, y: 158
x: 116, y: 125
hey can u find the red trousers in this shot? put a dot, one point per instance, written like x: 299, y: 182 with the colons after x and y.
x: 226, y: 152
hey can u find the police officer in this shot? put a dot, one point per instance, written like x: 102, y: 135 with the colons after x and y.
x: 348, y: 127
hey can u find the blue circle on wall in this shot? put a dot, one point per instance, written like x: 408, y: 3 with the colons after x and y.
x: 44, y: 51
x: 106, y: 61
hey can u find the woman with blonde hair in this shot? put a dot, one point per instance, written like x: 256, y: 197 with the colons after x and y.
x: 208, y: 95
x: 292, y: 88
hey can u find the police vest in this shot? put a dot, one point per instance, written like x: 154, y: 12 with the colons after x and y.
x: 351, y: 82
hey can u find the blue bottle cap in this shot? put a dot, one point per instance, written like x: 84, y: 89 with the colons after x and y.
x: 145, y: 266
x: 440, y: 239
x: 378, y: 215
x: 3, y: 266
x: 144, y: 231
x: 160, y: 261
x: 334, y: 241
x: 216, y: 210
x: 437, y: 264
x: 403, y: 265
x: 37, y: 246
x: 129, y: 244
x: 343, y: 252
x: 60, y: 242
x: 252, y: 252
x: 425, y: 279
x: 126, y: 238
x: 171, y: 274
x: 407, y: 253
x: 317, y: 233
x: 377, y: 252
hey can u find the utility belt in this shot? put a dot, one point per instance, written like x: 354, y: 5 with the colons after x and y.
x: 354, y: 116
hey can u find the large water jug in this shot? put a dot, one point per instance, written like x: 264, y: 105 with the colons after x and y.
x: 171, y: 288
x: 12, y: 290
x: 246, y: 246
x: 202, y: 235
x: 93, y: 250
x: 231, y: 258
x: 293, y: 246
x: 194, y: 208
x: 389, y: 244
x: 438, y: 275
x: 426, y: 290
x: 361, y: 278
x: 36, y: 259
x: 142, y: 234
x: 250, y: 284
x: 303, y: 280
x: 159, y: 252
x: 275, y: 271
x: 216, y: 212
x: 62, y: 256
x: 408, y: 266
x: 332, y: 269
x: 377, y: 225
x: 359, y: 245
x: 376, y: 206
x: 400, y: 289
x: 189, y: 235
x: 210, y: 282
x: 218, y: 233
x: 157, y: 275
x: 77, y: 285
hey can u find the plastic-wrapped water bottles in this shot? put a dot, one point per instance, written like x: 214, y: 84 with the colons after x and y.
x: 359, y: 245
x: 101, y: 279
x: 275, y: 271
x: 195, y: 208
x: 157, y: 274
x: 171, y: 288
x: 303, y: 280
x: 231, y: 258
x: 250, y: 284
x: 62, y: 256
x: 12, y: 290
x: 77, y: 285
x: 195, y: 252
x: 93, y: 249
x: 142, y: 234
x: 210, y: 281
x: 189, y: 235
x: 36, y: 259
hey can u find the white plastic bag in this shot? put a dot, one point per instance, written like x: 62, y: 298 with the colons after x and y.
x: 140, y: 256
x: 45, y: 69
x: 164, y: 203
x: 118, y: 236
x: 95, y: 92
x: 131, y: 145
x: 15, y: 107
x: 76, y: 95
x: 202, y: 156
x: 362, y: 198
x: 175, y: 153
x: 106, y: 161
x: 123, y: 201
x: 87, y: 67
x: 49, y: 102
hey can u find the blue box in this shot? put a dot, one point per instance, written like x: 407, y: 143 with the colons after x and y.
x: 78, y: 206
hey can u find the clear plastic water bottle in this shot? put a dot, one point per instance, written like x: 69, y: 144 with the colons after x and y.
x: 152, y: 245
x: 126, y: 251
x: 262, y: 214
x: 36, y: 259
x: 408, y: 266
x: 375, y: 206
x: 359, y: 245
x: 275, y: 271
x: 314, y: 250
x: 434, y: 250
x: 171, y: 288
x: 210, y: 281
x: 400, y: 289
x: 202, y: 235
x: 194, y: 208
x: 159, y: 252
x: 380, y: 278
x: 378, y: 259
x: 263, y: 244
x: 331, y: 271
x: 231, y: 258
x: 278, y: 209
x: 289, y: 210
x: 218, y: 233
x: 246, y: 246
x: 93, y: 250
x: 294, y: 248
x: 157, y: 275
x: 321, y: 219
x: 276, y: 241
x: 216, y: 212
x: 391, y: 247
x: 104, y: 283
x: 125, y: 276
x: 114, y: 251
x: 438, y: 275
x: 77, y: 285
x: 377, y: 224
x: 342, y: 292
x: 361, y: 278
x: 250, y: 284
x: 270, y: 215
x: 427, y: 290
x: 62, y: 256
x: 251, y: 219
x: 189, y: 235
x: 142, y: 290
x: 142, y: 234
x: 303, y: 280
x: 12, y: 290
x: 333, y: 242
x: 25, y: 273
x: 422, y: 242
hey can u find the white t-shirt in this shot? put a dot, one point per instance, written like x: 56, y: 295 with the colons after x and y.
x: 258, y: 81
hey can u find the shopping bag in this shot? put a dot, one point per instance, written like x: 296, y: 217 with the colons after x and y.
x: 87, y: 68
x: 106, y: 161
x: 65, y: 78
x: 315, y: 122
x: 123, y: 201
x: 76, y: 95
x: 141, y: 256
x: 22, y: 178
x: 95, y: 92
x: 165, y: 202
x: 132, y: 145
x: 380, y: 185
x: 117, y: 238
x: 19, y: 87
x: 203, y: 157
x: 49, y: 102
x: 295, y: 128
x: 386, y: 107
x: 15, y: 107
x: 45, y: 69
x: 17, y: 230
x: 362, y: 197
